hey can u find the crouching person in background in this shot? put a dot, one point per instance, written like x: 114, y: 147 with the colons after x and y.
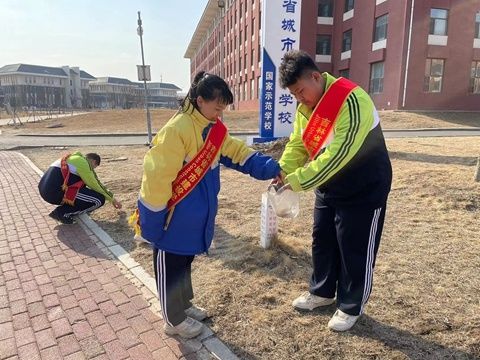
x: 72, y: 184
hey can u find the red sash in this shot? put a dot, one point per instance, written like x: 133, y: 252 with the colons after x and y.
x: 70, y: 191
x: 325, y: 115
x: 194, y: 171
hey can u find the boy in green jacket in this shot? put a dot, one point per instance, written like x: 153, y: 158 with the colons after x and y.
x: 71, y: 183
x: 337, y: 148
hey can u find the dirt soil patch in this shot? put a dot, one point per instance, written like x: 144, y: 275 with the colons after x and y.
x: 426, y: 295
x: 133, y: 120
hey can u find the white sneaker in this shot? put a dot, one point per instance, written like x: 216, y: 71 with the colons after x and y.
x: 196, y: 313
x: 341, y: 321
x: 308, y: 301
x: 188, y: 329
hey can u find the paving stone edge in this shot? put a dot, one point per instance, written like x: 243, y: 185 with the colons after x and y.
x: 146, y: 283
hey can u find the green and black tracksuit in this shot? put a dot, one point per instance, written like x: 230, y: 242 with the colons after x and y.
x: 352, y: 177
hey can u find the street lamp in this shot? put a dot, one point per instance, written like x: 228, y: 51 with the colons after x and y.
x: 144, y: 78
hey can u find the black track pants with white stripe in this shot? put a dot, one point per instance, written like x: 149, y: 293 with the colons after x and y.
x: 344, y: 249
x: 87, y: 200
x: 173, y: 274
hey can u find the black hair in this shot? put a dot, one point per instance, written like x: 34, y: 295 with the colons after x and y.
x: 95, y: 157
x: 295, y: 64
x: 208, y: 86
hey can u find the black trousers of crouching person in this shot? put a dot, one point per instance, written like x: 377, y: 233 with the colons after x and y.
x: 50, y: 188
x: 173, y: 274
x: 344, y: 249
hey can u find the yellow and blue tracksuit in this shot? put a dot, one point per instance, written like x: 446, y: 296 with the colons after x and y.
x: 190, y: 230
x: 352, y: 177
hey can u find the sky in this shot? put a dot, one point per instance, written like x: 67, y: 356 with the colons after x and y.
x: 100, y: 36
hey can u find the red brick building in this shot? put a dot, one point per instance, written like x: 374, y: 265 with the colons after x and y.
x: 409, y: 54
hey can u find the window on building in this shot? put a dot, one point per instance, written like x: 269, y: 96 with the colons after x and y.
x: 345, y: 73
x: 240, y: 38
x: 438, y: 21
x: 252, y: 57
x: 475, y: 78
x: 349, y: 5
x: 381, y: 24
x: 434, y: 75
x: 376, y: 78
x: 325, y: 8
x: 324, y: 45
x: 245, y: 89
x: 253, y: 26
x: 252, y: 89
x: 477, y: 25
x: 245, y: 60
x: 259, y: 52
x: 347, y: 41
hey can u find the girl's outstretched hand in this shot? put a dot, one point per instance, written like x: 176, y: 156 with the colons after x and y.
x: 278, y: 181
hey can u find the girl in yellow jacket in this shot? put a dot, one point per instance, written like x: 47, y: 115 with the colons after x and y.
x: 180, y: 232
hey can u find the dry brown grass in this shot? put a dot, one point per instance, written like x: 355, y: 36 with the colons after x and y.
x: 124, y: 121
x: 133, y: 120
x: 415, y: 120
x: 425, y: 301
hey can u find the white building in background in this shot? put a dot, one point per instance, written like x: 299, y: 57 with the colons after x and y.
x: 26, y: 85
x: 112, y: 93
x: 38, y: 86
x: 162, y: 94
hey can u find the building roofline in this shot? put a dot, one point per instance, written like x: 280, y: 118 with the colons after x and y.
x: 202, y: 27
x: 82, y: 73
x: 41, y: 70
x: 33, y: 74
x: 162, y: 86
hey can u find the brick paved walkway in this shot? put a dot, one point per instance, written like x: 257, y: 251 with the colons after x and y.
x: 61, y: 296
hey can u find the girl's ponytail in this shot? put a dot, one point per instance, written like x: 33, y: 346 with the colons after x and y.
x: 208, y: 86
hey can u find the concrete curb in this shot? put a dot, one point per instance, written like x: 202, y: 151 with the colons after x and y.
x: 239, y: 133
x: 433, y: 129
x: 207, y: 340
